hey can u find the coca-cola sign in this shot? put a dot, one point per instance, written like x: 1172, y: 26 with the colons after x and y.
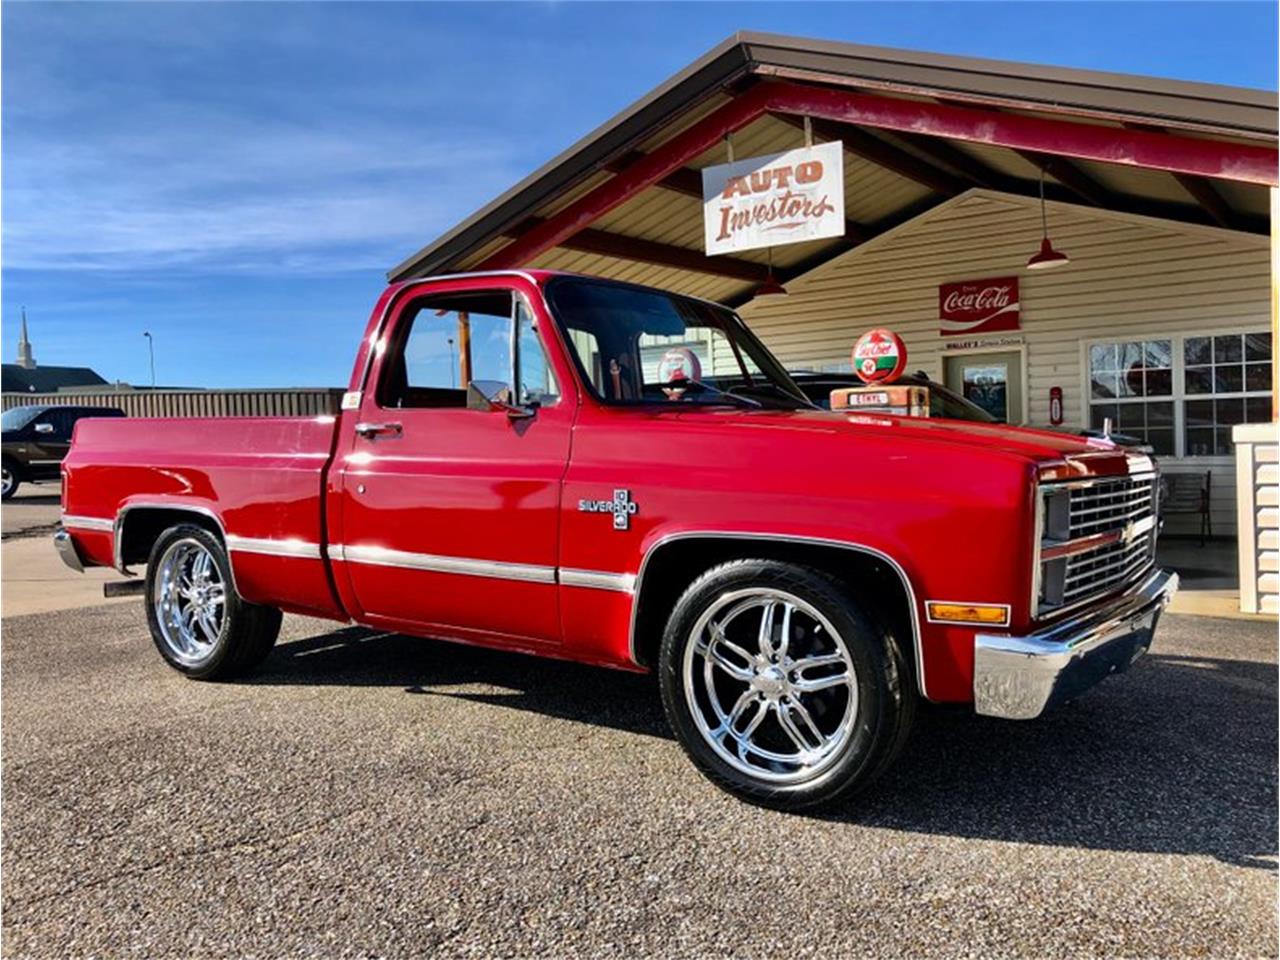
x: 978, y: 306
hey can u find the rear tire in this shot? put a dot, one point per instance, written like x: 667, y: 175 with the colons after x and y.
x: 10, y: 478
x: 200, y: 625
x: 780, y: 687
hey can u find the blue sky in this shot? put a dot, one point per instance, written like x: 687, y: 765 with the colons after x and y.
x: 236, y: 178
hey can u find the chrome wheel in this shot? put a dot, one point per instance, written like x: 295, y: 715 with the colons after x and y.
x: 6, y: 481
x: 770, y: 685
x: 190, y: 601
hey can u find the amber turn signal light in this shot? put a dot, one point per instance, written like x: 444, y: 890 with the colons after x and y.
x: 986, y: 614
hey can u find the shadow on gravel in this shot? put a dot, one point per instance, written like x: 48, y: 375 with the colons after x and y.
x: 34, y: 500
x: 1176, y: 756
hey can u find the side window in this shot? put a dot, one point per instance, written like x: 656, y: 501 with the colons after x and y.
x: 452, y: 340
x: 65, y: 423
x: 61, y: 422
x: 537, y: 379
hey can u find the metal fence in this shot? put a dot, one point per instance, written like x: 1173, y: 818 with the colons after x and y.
x: 192, y: 403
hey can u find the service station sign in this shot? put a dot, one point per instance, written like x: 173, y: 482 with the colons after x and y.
x: 770, y: 201
x: 978, y: 306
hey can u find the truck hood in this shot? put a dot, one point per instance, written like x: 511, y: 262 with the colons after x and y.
x: 1086, y: 455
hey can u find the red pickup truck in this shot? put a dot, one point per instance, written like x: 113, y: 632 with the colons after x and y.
x: 586, y: 469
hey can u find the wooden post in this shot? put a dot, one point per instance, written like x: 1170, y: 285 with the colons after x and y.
x: 1275, y: 305
x: 464, y: 347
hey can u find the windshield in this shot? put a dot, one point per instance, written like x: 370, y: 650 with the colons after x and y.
x: 634, y: 345
x: 18, y: 417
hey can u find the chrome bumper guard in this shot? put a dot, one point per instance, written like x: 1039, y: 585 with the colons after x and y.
x: 1019, y: 677
x: 67, y: 551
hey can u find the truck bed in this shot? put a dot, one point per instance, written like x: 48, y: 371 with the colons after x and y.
x: 258, y: 479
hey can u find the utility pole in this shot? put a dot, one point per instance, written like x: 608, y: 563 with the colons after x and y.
x: 151, y: 349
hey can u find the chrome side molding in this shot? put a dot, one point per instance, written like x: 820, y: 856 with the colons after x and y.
x: 72, y: 522
x: 273, y: 548
x: 434, y: 563
x: 598, y: 580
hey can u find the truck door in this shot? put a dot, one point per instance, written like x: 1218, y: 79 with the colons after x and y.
x: 50, y: 442
x: 448, y: 508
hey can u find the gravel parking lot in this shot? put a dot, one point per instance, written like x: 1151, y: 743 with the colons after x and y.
x: 378, y: 795
x: 33, y: 511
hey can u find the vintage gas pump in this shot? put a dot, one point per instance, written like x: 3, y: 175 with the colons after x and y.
x: 879, y: 357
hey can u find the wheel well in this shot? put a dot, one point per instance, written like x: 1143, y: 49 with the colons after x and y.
x: 672, y: 566
x: 142, y: 527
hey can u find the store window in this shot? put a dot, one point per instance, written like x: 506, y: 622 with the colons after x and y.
x: 1235, y: 371
x: 1181, y: 395
x: 1131, y: 384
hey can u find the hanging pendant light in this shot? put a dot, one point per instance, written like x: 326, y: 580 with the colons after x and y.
x: 770, y: 287
x: 1047, y: 257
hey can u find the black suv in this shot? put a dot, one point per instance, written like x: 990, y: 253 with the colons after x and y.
x: 35, y: 439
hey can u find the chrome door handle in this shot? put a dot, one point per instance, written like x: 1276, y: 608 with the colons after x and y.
x: 372, y: 430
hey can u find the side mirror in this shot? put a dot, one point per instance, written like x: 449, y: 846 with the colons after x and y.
x: 488, y: 396
x: 44, y: 428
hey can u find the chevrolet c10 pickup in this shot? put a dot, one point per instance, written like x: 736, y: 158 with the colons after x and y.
x: 586, y: 469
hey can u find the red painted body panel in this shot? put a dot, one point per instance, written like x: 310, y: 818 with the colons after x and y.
x: 260, y: 477
x: 948, y: 505
x: 814, y: 475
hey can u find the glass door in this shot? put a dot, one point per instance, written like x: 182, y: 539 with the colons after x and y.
x: 993, y: 381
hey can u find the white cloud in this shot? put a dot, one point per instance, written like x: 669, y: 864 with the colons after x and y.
x: 112, y: 164
x: 238, y: 196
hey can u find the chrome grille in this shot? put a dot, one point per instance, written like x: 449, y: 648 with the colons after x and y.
x: 1109, y: 504
x: 1097, y: 535
x: 1105, y: 567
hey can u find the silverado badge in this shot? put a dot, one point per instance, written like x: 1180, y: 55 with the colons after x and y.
x: 621, y: 506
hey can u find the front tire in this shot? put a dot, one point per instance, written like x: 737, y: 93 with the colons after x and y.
x: 780, y: 688
x: 200, y: 625
x: 10, y: 478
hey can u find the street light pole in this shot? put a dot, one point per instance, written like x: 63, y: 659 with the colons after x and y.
x: 151, y: 349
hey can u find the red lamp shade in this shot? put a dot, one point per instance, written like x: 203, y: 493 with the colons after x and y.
x: 770, y: 288
x: 1047, y: 257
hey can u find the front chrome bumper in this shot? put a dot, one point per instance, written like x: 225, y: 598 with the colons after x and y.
x: 1018, y: 677
x: 66, y: 548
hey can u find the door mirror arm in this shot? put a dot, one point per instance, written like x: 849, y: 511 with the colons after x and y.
x: 478, y: 400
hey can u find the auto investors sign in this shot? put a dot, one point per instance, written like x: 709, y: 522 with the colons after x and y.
x: 768, y: 201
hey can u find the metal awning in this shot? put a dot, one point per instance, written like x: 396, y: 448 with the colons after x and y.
x: 917, y: 129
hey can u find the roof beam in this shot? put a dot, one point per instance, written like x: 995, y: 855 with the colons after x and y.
x: 882, y: 153
x: 684, y: 180
x: 1247, y: 163
x: 974, y: 172
x: 1073, y: 178
x: 1064, y: 171
x: 1201, y: 190
x: 608, y: 244
x: 1210, y: 200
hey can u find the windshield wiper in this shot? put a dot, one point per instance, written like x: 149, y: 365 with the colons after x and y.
x: 779, y: 390
x: 699, y: 386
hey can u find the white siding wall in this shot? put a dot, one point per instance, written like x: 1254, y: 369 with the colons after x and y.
x: 1258, y: 492
x: 1129, y: 277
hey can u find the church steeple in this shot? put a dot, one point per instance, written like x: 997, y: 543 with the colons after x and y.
x: 25, y: 359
